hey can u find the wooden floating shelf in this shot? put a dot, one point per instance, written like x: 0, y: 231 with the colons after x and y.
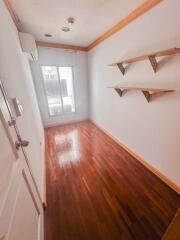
x: 151, y: 57
x: 147, y: 92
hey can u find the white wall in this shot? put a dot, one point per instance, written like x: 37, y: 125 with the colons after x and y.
x: 16, y: 76
x: 60, y: 57
x: 152, y: 130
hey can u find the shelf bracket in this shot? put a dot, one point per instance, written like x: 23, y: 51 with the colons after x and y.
x: 121, y: 68
x: 153, y: 62
x: 147, y: 95
x: 119, y: 91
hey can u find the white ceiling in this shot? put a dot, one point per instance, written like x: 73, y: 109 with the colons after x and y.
x: 93, y: 18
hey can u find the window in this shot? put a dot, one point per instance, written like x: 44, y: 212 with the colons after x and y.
x: 58, y: 82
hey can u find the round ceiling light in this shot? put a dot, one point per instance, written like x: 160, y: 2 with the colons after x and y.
x: 70, y: 20
x: 65, y: 29
x: 47, y: 35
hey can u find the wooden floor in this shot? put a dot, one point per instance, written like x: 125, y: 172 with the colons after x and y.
x: 96, y: 190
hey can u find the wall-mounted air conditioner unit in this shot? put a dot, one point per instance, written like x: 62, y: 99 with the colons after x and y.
x: 28, y: 45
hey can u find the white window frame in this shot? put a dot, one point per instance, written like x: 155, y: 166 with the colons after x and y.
x: 45, y: 95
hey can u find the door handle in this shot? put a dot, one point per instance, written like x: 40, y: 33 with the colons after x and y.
x: 21, y: 143
x: 12, y: 122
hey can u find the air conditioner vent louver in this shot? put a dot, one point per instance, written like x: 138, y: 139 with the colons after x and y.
x: 28, y: 45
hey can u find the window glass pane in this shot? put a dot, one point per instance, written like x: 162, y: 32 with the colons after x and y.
x: 66, y: 80
x: 52, y: 88
x: 68, y: 104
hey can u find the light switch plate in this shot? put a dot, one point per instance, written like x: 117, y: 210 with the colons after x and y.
x: 17, y: 106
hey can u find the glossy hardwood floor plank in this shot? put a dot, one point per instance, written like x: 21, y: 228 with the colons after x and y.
x: 97, y: 190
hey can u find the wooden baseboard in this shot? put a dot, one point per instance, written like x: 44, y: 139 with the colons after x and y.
x: 166, y: 180
x: 46, y: 126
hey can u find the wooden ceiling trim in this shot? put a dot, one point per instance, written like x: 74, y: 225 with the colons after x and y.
x: 143, y: 8
x: 13, y: 15
x: 146, y: 6
x: 63, y: 46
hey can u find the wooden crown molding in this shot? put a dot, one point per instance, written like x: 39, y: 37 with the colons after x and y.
x: 13, y: 15
x: 59, y: 45
x: 39, y: 43
x: 143, y: 8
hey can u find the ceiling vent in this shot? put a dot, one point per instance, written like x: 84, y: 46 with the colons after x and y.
x: 28, y: 45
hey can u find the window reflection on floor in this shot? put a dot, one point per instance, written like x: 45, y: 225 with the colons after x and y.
x: 69, y: 148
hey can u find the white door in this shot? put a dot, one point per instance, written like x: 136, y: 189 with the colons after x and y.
x: 21, y: 212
